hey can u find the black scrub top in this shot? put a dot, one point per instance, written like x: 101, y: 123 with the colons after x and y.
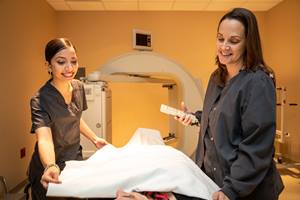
x: 238, y: 127
x: 48, y: 109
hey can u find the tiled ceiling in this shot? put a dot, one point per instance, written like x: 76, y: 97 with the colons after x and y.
x: 160, y: 5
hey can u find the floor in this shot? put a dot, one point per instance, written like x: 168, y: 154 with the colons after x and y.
x: 291, y: 180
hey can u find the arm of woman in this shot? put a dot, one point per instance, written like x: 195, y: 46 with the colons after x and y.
x: 47, y: 156
x: 89, y: 134
x: 255, y: 150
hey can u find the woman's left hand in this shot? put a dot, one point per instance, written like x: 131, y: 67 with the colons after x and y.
x: 100, y: 142
x: 219, y: 196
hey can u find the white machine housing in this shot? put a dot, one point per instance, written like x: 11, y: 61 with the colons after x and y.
x: 98, y: 116
x: 155, y: 68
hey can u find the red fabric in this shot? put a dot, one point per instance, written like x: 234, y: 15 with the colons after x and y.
x: 156, y: 195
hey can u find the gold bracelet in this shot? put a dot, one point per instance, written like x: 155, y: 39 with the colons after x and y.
x: 52, y: 165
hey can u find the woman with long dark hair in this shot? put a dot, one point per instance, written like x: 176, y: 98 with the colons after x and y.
x: 238, y: 121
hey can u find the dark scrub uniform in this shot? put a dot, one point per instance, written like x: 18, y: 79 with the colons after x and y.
x: 238, y: 127
x: 48, y: 109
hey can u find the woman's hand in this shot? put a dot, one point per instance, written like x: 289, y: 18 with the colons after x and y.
x: 100, y: 142
x: 219, y: 196
x: 50, y: 176
x: 184, y: 119
x: 121, y: 195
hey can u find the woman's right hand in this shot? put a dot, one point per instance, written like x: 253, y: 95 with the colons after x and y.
x: 184, y: 119
x: 50, y: 176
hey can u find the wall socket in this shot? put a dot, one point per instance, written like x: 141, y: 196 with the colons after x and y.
x: 23, y: 152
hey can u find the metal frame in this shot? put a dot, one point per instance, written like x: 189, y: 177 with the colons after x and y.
x: 282, y: 134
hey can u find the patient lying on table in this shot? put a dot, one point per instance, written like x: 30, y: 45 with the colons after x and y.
x: 144, y: 164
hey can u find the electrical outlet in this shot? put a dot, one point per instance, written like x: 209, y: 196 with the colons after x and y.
x: 23, y: 152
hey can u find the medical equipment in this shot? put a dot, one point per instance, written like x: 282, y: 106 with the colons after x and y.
x: 282, y: 134
x: 155, y: 68
x: 141, y: 40
x: 175, y: 112
x: 98, y: 97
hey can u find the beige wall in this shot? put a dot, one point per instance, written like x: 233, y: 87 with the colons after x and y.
x: 186, y: 37
x: 25, y: 27
x: 282, y: 53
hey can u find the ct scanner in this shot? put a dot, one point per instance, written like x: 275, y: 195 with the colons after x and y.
x: 151, y: 67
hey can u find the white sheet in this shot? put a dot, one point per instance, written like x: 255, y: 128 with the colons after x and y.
x: 134, y: 167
